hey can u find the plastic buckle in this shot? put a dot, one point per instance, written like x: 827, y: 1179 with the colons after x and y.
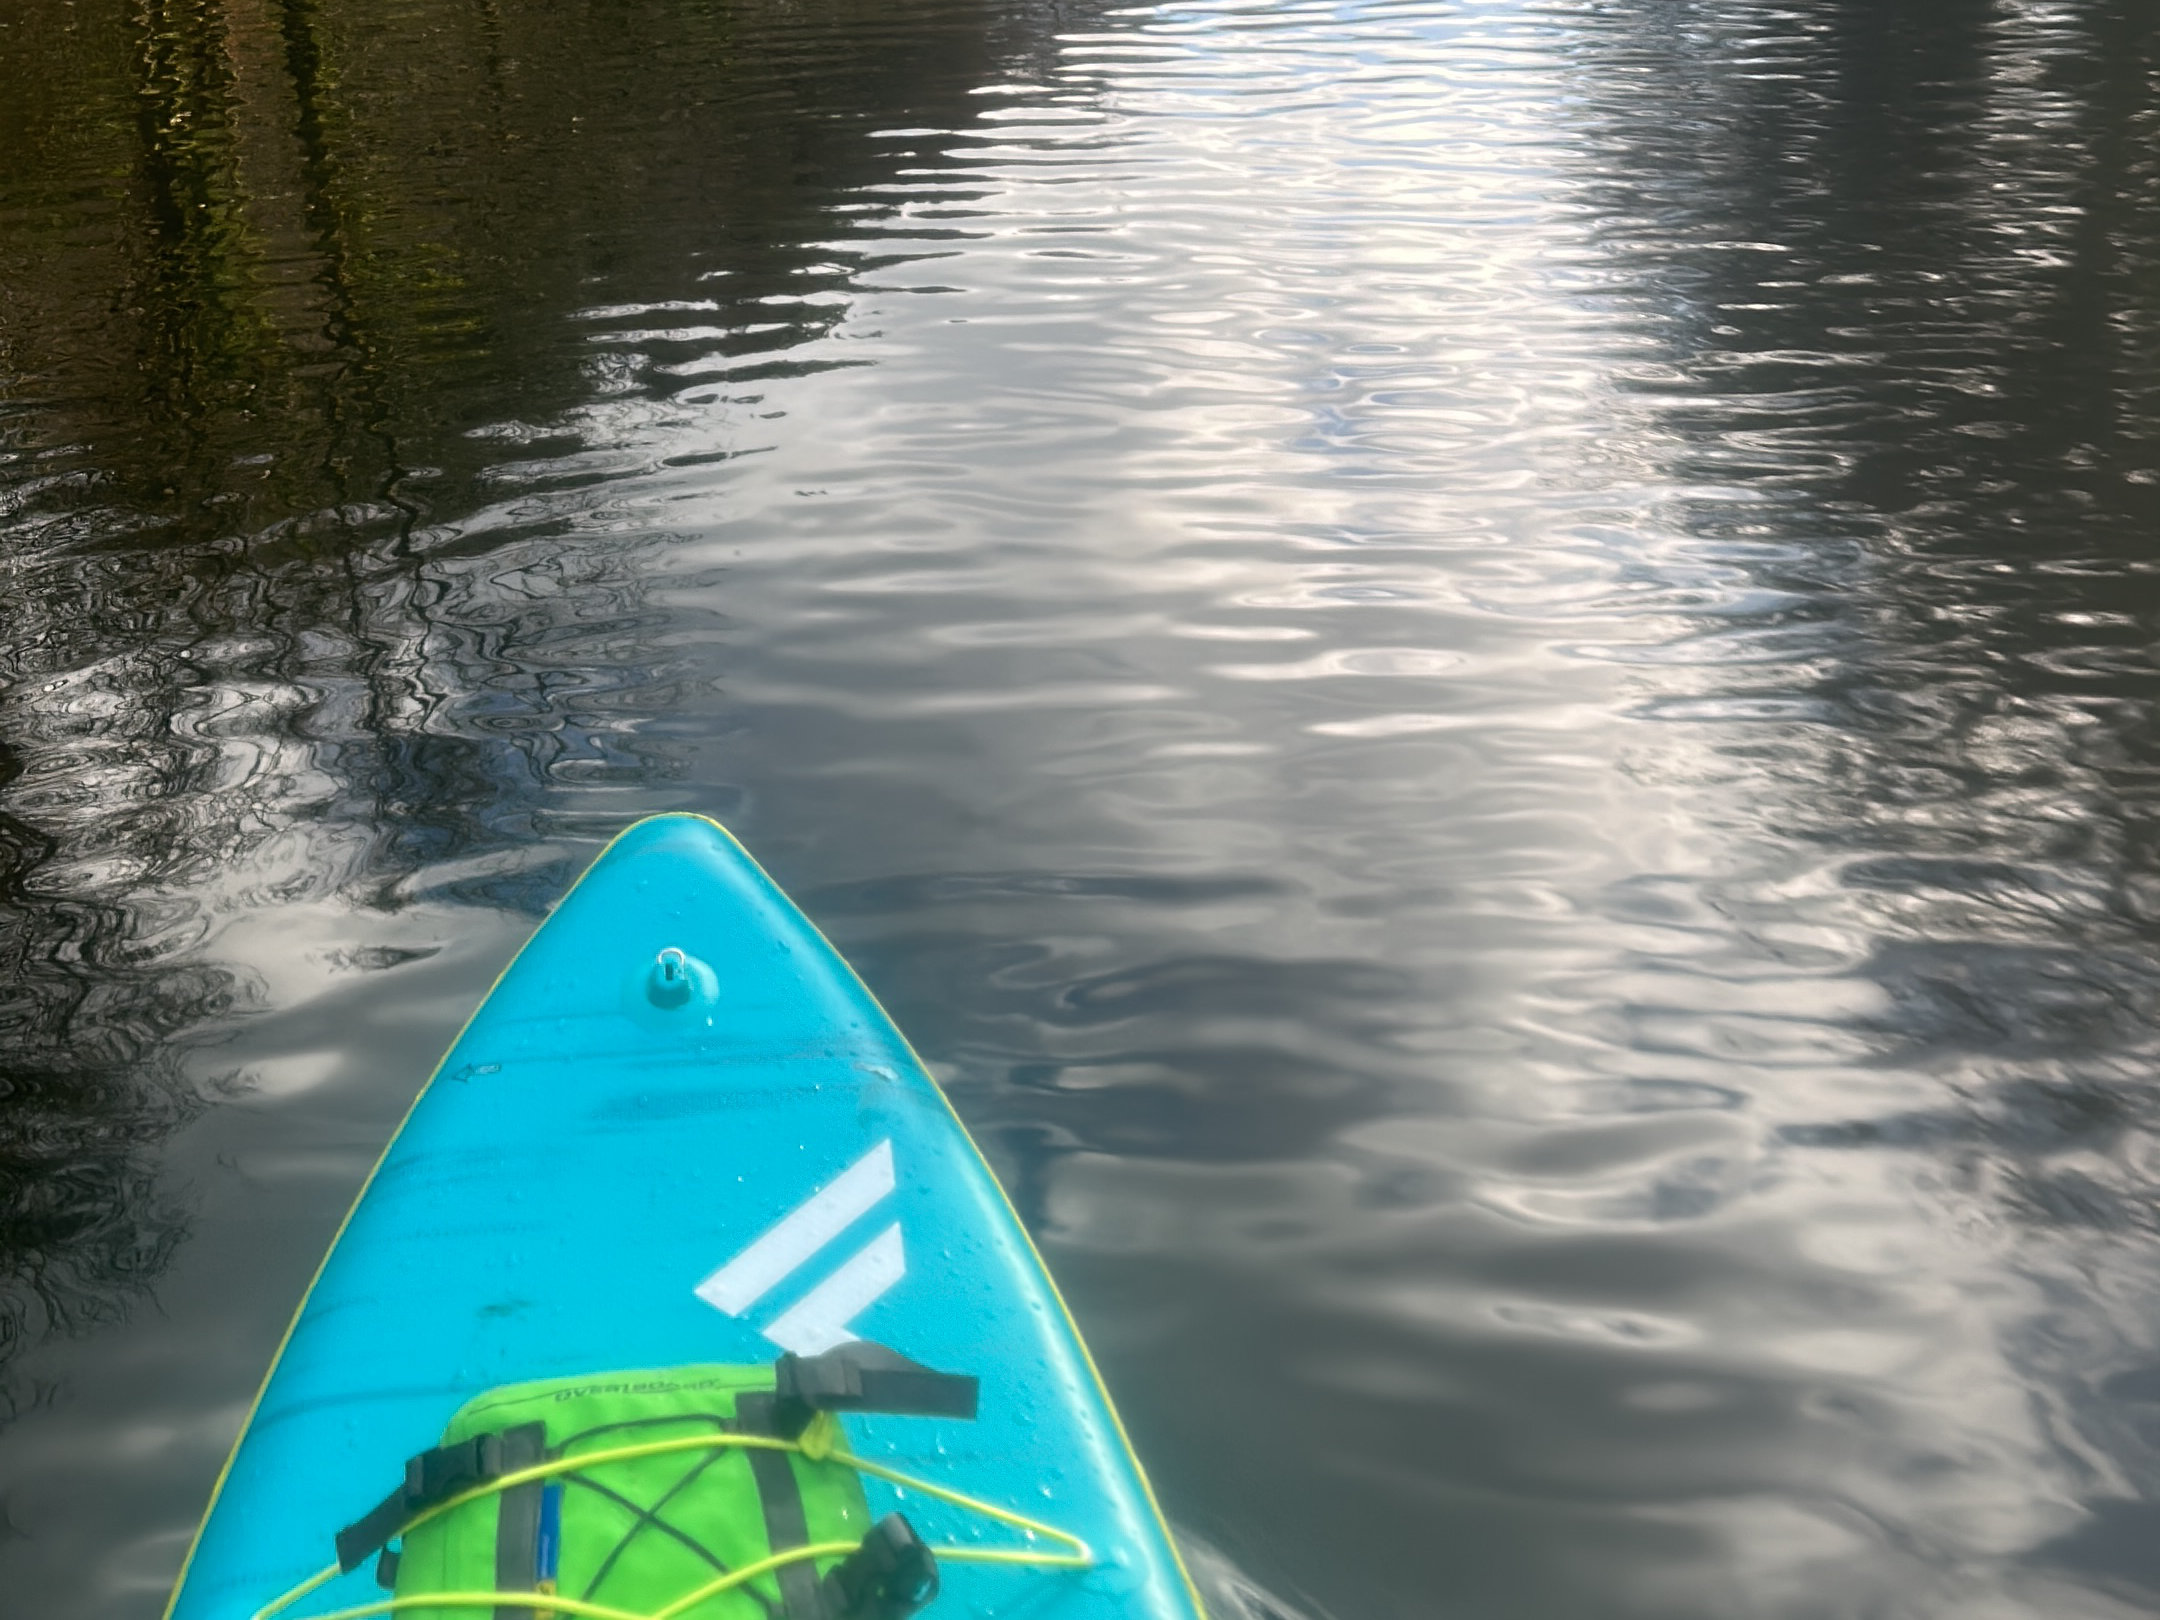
x: 443, y: 1472
x: 890, y: 1576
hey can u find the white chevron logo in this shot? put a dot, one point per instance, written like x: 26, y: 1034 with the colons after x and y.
x: 819, y: 1320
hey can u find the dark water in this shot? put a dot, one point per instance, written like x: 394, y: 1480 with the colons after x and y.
x: 1480, y: 674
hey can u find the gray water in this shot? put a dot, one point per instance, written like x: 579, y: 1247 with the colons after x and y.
x: 1478, y: 672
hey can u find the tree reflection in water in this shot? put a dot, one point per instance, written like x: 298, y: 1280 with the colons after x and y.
x: 276, y: 272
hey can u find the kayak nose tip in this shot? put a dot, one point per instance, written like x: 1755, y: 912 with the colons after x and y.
x: 671, y: 981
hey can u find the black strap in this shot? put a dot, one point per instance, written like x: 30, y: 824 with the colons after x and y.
x: 517, y: 1519
x: 787, y: 1526
x: 863, y: 1377
x: 432, y: 1477
x: 372, y: 1533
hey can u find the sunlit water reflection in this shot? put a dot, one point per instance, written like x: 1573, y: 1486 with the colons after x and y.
x: 1479, y: 674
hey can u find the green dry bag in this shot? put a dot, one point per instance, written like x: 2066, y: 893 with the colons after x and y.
x: 696, y: 1474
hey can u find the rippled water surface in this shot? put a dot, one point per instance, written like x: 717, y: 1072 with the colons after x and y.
x: 1479, y: 672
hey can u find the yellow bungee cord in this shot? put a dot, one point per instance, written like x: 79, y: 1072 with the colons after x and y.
x: 819, y: 1443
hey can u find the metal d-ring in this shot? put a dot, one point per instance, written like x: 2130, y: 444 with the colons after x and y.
x: 670, y: 983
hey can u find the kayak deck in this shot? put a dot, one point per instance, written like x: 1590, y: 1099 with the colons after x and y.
x: 679, y: 1131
